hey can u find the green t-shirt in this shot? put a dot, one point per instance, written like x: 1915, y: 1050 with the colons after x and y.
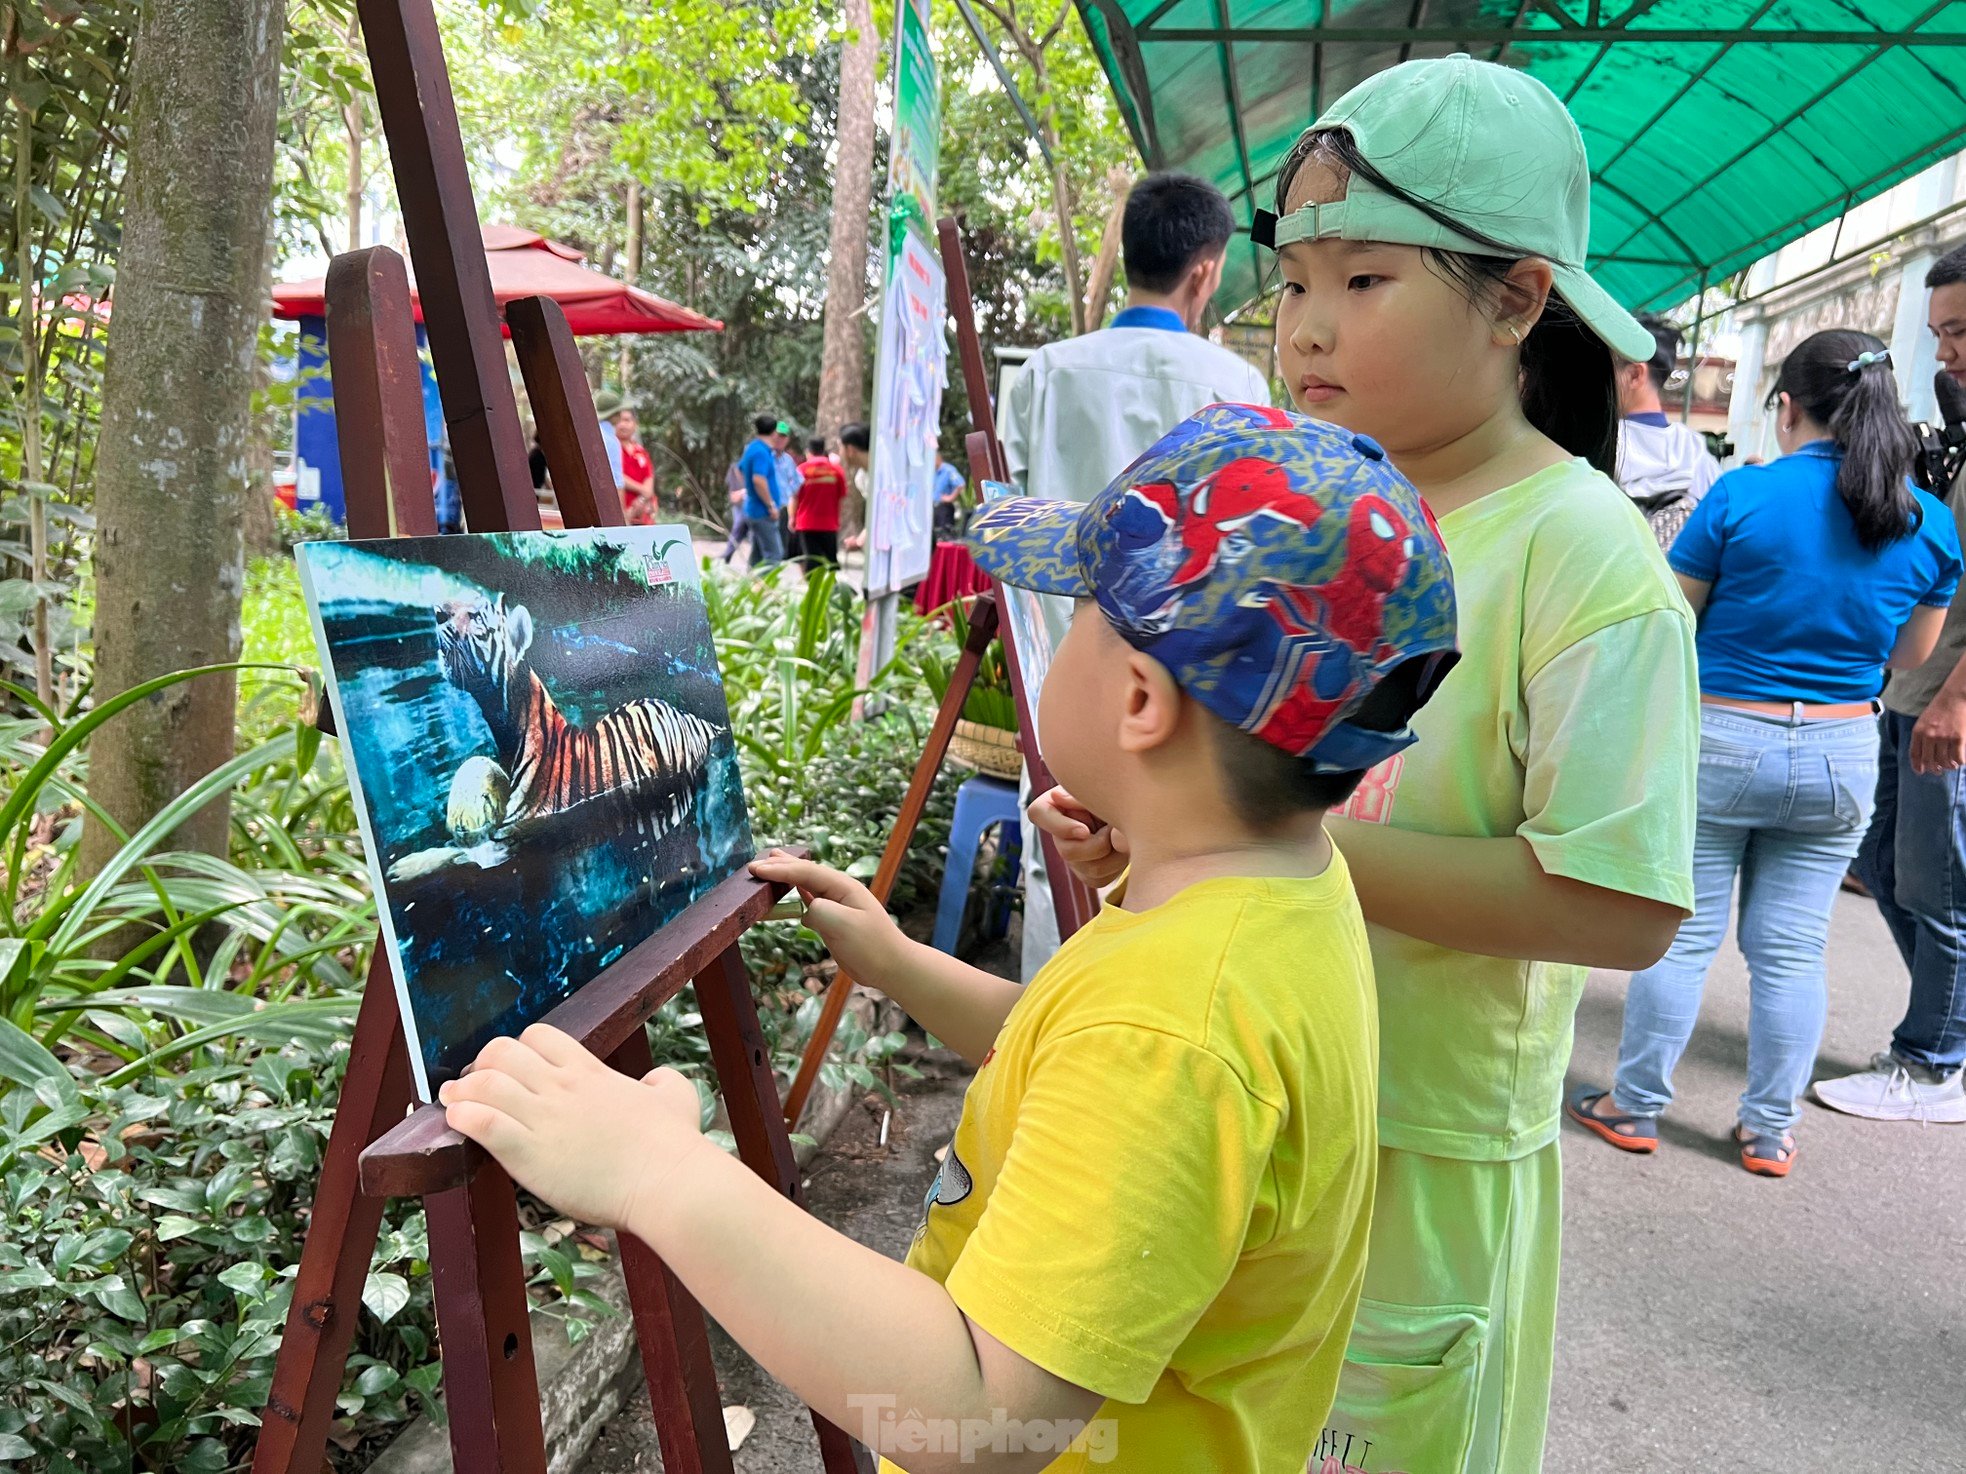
x: 1572, y: 721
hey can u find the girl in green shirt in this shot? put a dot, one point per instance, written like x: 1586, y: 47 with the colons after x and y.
x: 1431, y: 233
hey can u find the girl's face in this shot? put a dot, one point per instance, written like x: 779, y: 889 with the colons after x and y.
x: 1374, y: 338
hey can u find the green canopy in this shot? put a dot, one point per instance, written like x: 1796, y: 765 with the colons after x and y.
x: 1718, y: 130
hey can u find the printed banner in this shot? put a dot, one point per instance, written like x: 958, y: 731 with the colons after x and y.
x: 910, y: 372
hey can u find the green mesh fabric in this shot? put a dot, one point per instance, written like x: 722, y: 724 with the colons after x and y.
x: 1718, y: 130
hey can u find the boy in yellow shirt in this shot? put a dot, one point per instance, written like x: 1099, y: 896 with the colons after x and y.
x: 1145, y: 1247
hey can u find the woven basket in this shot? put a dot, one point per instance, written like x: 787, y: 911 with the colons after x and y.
x: 989, y: 750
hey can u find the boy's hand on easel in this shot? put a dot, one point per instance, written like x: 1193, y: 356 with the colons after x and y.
x: 1095, y: 850
x: 855, y: 927
x: 597, y: 1144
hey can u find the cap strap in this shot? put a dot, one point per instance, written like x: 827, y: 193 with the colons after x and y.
x: 1350, y: 749
x: 1308, y: 223
x: 1384, y: 218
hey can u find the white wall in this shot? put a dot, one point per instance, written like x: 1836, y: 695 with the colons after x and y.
x: 1879, y: 287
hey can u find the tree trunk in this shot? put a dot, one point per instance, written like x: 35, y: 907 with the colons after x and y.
x: 171, y: 465
x: 1068, y: 242
x: 352, y: 115
x: 27, y: 272
x: 843, y: 351
x: 632, y: 269
x: 261, y: 527
x: 1106, y: 263
x: 1061, y: 191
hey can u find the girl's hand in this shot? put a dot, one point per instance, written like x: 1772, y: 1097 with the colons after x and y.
x: 594, y: 1143
x: 1095, y: 850
x: 855, y: 927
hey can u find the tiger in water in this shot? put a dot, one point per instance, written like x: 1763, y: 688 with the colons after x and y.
x: 644, y: 757
x: 641, y: 751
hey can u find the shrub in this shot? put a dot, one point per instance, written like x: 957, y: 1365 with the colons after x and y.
x: 148, y: 1264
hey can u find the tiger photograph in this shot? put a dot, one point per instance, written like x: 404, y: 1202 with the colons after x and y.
x: 540, y: 752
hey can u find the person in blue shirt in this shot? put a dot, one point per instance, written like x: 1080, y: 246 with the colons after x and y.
x: 790, y: 479
x: 948, y: 497
x: 758, y: 467
x: 608, y: 404
x: 1810, y: 576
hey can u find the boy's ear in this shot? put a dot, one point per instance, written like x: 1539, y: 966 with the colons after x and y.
x: 1152, y: 709
x: 1207, y: 272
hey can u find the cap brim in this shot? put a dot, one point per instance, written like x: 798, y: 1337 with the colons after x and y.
x: 1617, y: 327
x: 1030, y: 543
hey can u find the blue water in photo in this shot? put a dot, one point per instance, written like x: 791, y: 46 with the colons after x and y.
x: 490, y: 935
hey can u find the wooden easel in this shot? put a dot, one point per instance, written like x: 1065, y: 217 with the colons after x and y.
x: 1073, y: 903
x: 376, y: 1151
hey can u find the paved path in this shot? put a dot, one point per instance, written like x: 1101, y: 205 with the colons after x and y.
x: 1715, y: 1321
x: 1710, y: 1321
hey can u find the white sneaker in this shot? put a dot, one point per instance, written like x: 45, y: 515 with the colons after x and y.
x: 1891, y: 1090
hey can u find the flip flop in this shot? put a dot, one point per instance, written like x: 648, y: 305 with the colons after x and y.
x: 1765, y: 1155
x: 1626, y: 1133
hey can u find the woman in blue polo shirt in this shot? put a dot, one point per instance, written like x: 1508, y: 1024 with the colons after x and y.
x: 1810, y: 576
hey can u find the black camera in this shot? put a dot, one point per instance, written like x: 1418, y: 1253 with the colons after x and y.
x: 1942, y: 450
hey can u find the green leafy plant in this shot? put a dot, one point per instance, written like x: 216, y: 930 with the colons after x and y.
x: 163, y: 1114
x: 153, y: 1234
x: 285, y: 933
x: 992, y: 700
x: 813, y: 775
x: 314, y: 525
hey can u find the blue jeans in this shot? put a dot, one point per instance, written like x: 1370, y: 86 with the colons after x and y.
x: 1914, y: 861
x: 1783, y: 802
x: 767, y: 541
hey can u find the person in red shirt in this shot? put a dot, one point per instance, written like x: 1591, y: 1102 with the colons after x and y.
x: 816, y: 512
x: 637, y: 470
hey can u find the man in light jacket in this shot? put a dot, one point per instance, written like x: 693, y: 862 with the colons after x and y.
x: 1665, y: 467
x: 1080, y: 410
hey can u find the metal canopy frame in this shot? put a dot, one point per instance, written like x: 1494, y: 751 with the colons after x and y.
x: 1654, y: 242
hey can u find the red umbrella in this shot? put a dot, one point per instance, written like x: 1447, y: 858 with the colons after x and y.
x: 525, y: 264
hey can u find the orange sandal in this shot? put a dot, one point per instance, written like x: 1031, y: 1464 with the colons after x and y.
x: 1764, y: 1155
x: 1626, y: 1133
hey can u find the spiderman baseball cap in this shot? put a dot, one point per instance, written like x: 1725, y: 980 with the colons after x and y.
x: 1279, y: 567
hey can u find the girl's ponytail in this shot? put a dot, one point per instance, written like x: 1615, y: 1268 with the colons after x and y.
x: 1569, y: 377
x: 1842, y: 380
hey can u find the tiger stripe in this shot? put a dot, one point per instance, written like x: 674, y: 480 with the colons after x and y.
x: 643, y: 757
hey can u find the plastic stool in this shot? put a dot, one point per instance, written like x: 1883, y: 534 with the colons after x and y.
x: 981, y: 805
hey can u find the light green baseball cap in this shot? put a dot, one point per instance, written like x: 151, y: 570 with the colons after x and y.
x: 1485, y: 145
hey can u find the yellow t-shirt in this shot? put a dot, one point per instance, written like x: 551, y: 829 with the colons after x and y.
x: 1573, y: 721
x: 1161, y: 1182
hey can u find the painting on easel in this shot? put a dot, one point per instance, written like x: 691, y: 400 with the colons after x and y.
x: 541, y: 758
